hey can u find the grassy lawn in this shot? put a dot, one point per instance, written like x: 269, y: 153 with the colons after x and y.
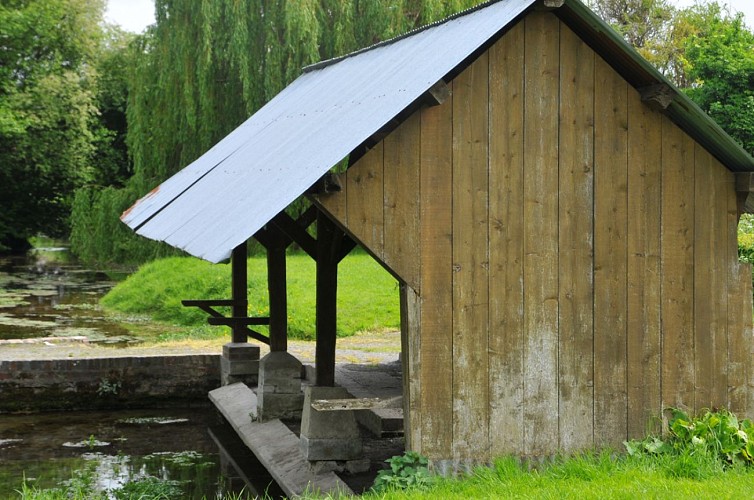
x: 592, y: 476
x: 589, y: 476
x: 707, y: 455
x: 367, y: 296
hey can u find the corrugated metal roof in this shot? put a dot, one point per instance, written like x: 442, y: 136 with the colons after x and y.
x: 234, y: 189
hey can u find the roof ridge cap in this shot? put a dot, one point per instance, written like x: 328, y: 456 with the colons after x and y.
x: 334, y: 60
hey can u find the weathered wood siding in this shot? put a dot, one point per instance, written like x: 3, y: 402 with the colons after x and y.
x: 569, y: 254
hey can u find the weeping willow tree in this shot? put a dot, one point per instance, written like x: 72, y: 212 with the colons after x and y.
x: 206, y: 66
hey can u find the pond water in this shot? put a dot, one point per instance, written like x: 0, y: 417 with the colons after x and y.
x: 45, y: 295
x: 113, y: 448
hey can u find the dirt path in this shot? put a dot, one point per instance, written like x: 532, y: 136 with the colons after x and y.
x: 371, y: 347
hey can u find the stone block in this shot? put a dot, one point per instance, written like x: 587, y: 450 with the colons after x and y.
x: 358, y: 466
x: 315, y: 449
x: 280, y: 372
x: 239, y: 363
x: 329, y: 435
x: 381, y: 422
x: 272, y: 405
x: 309, y: 374
x: 227, y: 379
x: 280, y: 386
x: 232, y: 367
x: 240, y: 351
x: 340, y: 466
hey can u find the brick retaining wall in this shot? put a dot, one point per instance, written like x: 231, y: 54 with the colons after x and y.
x: 100, y: 383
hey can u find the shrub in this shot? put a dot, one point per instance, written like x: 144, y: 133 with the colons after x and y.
x: 717, y: 435
x: 746, y: 247
x: 406, y: 471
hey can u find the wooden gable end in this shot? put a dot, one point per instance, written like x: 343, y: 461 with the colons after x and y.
x: 379, y: 201
x: 569, y: 253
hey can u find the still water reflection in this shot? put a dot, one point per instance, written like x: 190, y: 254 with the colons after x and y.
x: 47, y: 295
x: 114, y: 447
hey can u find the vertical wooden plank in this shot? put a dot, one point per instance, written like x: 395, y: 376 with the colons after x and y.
x: 710, y: 279
x: 741, y: 344
x: 541, y: 234
x: 748, y: 336
x: 335, y: 203
x: 436, y: 356
x: 470, y: 262
x: 239, y: 289
x: 364, y: 207
x: 576, y: 237
x: 643, y: 314
x: 326, y: 300
x: 677, y: 267
x: 719, y: 286
x: 704, y: 196
x: 506, y: 231
x: 610, y: 255
x: 411, y: 366
x: 278, y: 291
x: 401, y: 201
x: 738, y: 278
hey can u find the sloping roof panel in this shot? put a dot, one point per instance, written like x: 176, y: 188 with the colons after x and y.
x: 235, y: 188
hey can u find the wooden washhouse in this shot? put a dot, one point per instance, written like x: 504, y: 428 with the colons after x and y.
x: 562, y: 221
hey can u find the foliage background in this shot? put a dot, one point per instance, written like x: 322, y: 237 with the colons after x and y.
x: 205, y: 67
x: 367, y: 294
x: 48, y: 114
x: 92, y: 118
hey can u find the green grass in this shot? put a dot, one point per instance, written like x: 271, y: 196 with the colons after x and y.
x: 367, y: 294
x: 583, y: 477
x: 592, y: 476
x: 148, y: 488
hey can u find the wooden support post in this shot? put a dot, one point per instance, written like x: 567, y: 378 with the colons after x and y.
x: 276, y: 286
x: 238, y: 290
x: 328, y: 246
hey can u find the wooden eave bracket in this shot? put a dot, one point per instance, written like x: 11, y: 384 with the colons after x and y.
x: 438, y: 93
x: 745, y: 192
x: 658, y: 97
x: 549, y: 4
x: 327, y: 184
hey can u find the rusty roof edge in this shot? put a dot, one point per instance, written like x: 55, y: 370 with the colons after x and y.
x: 136, y: 226
x: 683, y: 111
x: 390, y: 41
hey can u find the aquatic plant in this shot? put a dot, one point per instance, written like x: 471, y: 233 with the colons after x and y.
x: 108, y: 387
